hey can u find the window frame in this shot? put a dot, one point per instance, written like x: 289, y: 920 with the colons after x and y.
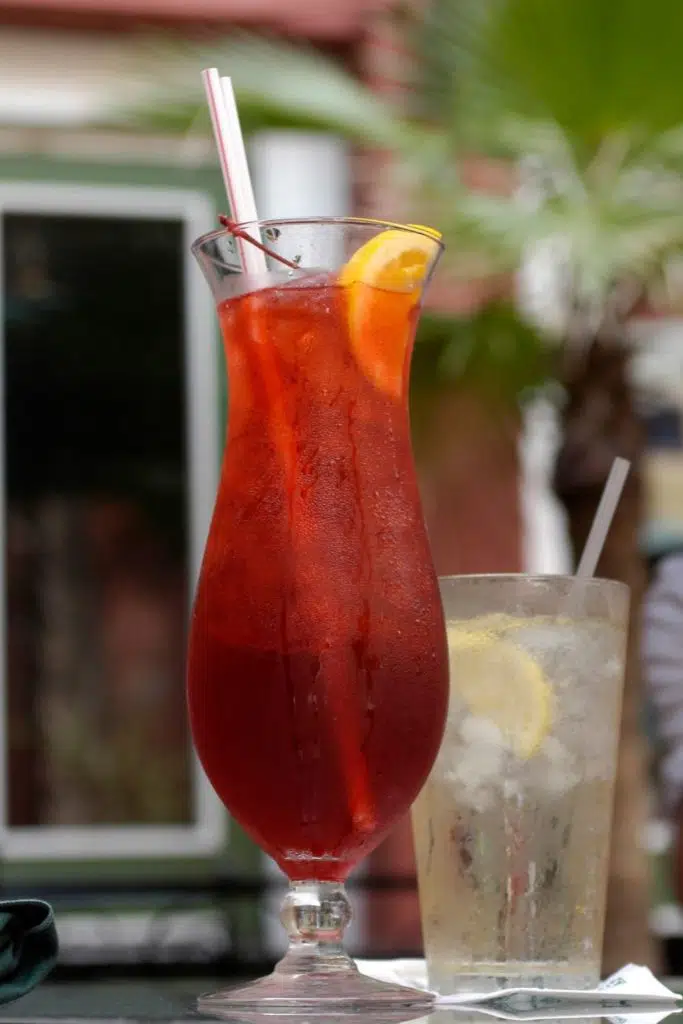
x: 207, y: 835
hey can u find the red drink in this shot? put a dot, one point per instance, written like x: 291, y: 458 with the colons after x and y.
x: 317, y: 662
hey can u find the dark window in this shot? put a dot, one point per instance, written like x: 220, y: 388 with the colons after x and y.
x: 96, y: 532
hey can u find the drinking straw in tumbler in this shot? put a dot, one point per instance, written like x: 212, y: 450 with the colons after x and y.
x: 603, y: 518
x: 232, y: 155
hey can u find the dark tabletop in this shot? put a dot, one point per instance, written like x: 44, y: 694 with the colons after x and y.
x: 126, y: 1001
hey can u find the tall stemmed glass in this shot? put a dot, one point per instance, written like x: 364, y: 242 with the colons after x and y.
x: 317, y: 671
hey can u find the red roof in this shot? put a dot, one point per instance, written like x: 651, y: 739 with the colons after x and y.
x: 324, y: 19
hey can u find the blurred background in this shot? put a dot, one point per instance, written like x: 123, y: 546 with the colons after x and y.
x: 545, y: 138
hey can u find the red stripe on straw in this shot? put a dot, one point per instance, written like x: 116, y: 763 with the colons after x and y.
x: 233, y: 160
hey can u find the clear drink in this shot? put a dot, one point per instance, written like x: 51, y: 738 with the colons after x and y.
x: 512, y: 827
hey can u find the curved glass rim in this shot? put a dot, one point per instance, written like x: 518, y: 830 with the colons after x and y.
x: 275, y: 222
x: 516, y: 577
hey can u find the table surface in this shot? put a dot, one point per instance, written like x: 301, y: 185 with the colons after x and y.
x: 119, y: 999
x: 173, y: 1001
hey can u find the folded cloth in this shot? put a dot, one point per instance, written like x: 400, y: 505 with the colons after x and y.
x: 28, y: 946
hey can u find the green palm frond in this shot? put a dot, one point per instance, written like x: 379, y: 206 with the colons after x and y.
x: 277, y: 84
x: 586, y: 97
x: 455, y: 88
x: 591, y: 67
x: 607, y: 233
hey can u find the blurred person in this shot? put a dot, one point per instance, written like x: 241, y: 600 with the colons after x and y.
x: 663, y: 671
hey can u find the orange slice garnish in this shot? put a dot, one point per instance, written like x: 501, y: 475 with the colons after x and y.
x: 398, y: 261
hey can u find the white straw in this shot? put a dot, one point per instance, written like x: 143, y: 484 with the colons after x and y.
x: 603, y: 518
x: 233, y: 159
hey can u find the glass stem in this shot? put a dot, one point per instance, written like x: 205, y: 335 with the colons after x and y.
x: 315, y: 916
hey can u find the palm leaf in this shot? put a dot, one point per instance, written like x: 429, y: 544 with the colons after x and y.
x: 591, y: 67
x: 449, y: 43
x: 277, y: 84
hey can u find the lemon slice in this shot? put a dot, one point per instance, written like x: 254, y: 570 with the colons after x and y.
x: 501, y: 682
x: 395, y: 260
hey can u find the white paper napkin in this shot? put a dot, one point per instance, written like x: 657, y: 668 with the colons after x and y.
x: 632, y: 990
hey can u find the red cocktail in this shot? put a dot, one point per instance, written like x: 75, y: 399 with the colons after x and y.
x: 317, y: 661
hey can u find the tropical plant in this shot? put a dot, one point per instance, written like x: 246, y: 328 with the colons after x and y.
x: 585, y: 99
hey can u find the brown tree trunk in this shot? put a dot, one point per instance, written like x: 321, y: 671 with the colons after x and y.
x: 600, y: 423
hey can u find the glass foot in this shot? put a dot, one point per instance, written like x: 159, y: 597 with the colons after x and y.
x: 319, y: 993
x: 316, y: 976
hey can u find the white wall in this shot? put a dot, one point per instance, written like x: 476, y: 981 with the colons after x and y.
x: 545, y: 540
x: 60, y: 78
x: 300, y: 174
